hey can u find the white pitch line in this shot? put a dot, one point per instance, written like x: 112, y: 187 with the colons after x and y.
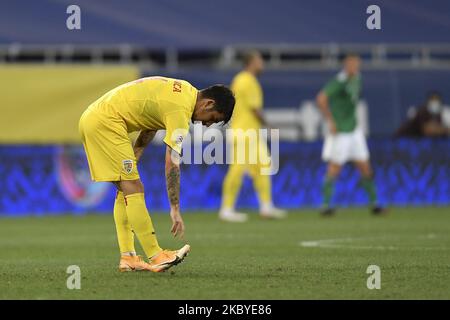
x: 345, y: 243
x: 340, y: 243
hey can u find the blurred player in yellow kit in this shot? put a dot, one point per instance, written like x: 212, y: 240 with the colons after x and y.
x: 248, y: 117
x: 146, y: 105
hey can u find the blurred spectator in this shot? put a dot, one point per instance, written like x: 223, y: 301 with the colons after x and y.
x: 427, y: 121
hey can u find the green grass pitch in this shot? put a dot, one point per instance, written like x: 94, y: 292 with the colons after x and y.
x: 302, y: 257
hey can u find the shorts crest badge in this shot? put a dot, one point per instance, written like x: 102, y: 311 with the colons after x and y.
x: 127, y: 165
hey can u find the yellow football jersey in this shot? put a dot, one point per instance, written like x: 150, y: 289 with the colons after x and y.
x: 249, y: 96
x: 152, y: 103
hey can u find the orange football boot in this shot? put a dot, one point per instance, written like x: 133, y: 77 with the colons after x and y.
x: 167, y: 258
x: 133, y: 263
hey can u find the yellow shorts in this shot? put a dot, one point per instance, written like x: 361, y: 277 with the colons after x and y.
x: 108, y: 148
x: 250, y: 153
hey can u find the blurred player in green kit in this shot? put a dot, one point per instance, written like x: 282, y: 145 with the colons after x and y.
x: 345, y: 141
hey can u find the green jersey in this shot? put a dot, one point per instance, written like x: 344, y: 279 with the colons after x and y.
x: 343, y: 96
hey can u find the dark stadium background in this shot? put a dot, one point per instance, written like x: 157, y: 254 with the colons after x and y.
x: 43, y: 168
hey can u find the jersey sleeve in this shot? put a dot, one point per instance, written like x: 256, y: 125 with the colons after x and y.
x: 177, y: 127
x: 332, y: 87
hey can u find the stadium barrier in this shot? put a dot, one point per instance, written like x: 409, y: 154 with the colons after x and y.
x: 54, y: 179
x: 42, y: 103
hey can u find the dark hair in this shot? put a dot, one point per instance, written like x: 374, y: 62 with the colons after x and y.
x: 351, y: 54
x: 249, y: 56
x: 434, y: 94
x: 224, y: 99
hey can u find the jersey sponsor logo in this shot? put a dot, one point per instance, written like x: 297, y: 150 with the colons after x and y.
x: 176, y: 86
x: 127, y: 165
x: 179, y: 140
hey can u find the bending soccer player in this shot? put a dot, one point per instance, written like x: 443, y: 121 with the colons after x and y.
x: 248, y: 119
x: 345, y: 141
x: 146, y: 105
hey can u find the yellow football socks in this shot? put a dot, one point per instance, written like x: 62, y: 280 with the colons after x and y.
x: 125, y: 235
x: 141, y: 223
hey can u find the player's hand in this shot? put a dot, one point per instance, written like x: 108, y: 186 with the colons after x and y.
x: 332, y: 127
x: 177, y: 224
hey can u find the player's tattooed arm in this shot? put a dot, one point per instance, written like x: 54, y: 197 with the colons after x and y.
x: 173, y: 190
x: 173, y: 184
x: 144, y: 138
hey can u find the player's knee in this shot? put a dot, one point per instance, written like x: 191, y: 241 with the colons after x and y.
x: 131, y: 186
x: 254, y: 172
x: 233, y: 173
x: 365, y: 170
x: 367, y: 173
x: 333, y: 170
x: 230, y: 182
